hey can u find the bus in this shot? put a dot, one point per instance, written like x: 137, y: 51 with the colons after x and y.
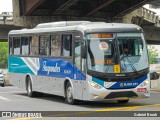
x: 80, y: 60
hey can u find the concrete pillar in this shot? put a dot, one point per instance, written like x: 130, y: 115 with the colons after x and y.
x: 16, y: 8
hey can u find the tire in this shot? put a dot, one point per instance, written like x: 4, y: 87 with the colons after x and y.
x: 29, y: 88
x: 3, y: 85
x: 122, y: 101
x: 69, y: 94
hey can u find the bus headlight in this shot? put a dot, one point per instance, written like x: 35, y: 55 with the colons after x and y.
x: 95, y: 85
x: 144, y: 83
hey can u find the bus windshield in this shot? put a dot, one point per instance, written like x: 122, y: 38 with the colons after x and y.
x: 105, y: 51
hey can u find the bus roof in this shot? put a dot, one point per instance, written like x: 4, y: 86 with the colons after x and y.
x: 83, y: 26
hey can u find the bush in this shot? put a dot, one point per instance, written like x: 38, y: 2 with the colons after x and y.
x: 153, y: 55
x: 3, y: 54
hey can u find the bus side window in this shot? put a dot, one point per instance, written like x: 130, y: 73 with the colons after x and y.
x: 67, y: 45
x: 55, y: 45
x: 44, y: 45
x: 16, y: 45
x: 34, y: 45
x: 25, y: 45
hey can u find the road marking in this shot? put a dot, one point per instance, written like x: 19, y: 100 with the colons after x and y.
x: 5, y: 99
x: 14, y: 92
x: 125, y: 108
x: 29, y: 118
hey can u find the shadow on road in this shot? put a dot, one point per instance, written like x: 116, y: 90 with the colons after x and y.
x: 49, y: 97
x: 89, y: 104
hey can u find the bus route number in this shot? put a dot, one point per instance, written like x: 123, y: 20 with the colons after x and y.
x: 116, y: 68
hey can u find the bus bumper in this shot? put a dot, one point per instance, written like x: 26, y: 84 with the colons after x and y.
x: 118, y: 94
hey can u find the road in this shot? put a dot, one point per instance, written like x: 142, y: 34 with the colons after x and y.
x: 15, y: 99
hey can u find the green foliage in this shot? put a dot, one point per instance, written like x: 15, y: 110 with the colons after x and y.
x: 153, y: 55
x: 3, y: 54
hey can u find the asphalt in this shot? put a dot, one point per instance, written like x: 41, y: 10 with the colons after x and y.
x: 15, y: 99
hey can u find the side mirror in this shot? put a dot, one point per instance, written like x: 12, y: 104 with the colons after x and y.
x: 84, y: 51
x: 154, y: 76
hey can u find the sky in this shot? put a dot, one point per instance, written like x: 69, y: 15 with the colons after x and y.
x: 5, y: 6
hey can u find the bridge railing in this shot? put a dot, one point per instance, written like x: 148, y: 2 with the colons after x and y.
x: 147, y: 15
x: 6, y: 19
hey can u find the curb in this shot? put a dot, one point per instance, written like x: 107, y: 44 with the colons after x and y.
x: 155, y: 90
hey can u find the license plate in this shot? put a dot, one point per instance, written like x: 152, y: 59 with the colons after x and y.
x: 141, y: 90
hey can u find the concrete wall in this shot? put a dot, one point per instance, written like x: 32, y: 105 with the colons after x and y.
x: 155, y: 84
x: 4, y: 30
x: 128, y: 18
x: 152, y: 33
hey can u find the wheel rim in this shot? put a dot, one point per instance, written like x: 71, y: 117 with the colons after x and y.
x: 69, y: 94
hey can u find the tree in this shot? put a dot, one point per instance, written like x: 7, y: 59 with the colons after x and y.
x: 153, y: 55
x: 3, y: 54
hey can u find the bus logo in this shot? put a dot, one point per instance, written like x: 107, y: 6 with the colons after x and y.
x: 49, y: 69
x: 121, y: 85
x: 128, y: 84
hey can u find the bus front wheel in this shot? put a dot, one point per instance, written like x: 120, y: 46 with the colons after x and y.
x: 69, y: 94
x: 122, y: 101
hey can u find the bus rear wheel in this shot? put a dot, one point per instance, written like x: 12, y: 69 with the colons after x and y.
x: 69, y: 94
x: 29, y: 88
x: 122, y: 101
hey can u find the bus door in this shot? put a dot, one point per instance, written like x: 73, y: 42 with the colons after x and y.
x: 79, y: 62
x: 78, y: 69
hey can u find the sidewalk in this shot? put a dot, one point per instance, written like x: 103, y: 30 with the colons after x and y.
x: 153, y: 89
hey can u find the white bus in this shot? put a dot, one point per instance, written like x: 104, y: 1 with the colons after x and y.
x: 80, y: 60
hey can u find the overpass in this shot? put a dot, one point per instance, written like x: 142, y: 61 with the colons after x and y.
x: 148, y: 20
x: 6, y: 24
x: 29, y: 13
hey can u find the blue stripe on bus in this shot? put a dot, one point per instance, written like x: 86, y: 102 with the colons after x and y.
x: 47, y: 67
x: 122, y: 85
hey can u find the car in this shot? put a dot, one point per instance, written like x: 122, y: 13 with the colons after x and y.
x: 2, y: 78
x: 154, y: 76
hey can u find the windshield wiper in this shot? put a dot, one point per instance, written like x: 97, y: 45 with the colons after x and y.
x: 133, y: 67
